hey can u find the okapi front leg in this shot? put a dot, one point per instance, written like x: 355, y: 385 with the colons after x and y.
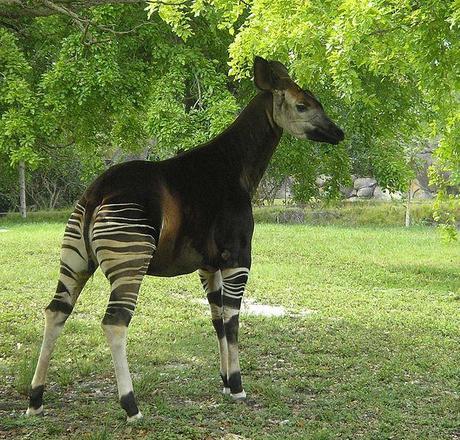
x: 234, y: 282
x: 212, y: 285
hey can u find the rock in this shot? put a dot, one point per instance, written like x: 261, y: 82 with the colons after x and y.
x: 322, y: 179
x: 353, y: 199
x: 381, y: 194
x: 347, y: 191
x: 422, y: 194
x: 419, y: 191
x: 364, y: 182
x: 396, y: 195
x: 365, y: 192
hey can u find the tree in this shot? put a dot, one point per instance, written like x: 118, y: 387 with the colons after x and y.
x: 107, y: 78
x: 106, y: 89
x: 17, y: 109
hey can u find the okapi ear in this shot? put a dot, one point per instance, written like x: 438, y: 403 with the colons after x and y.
x: 270, y: 75
x: 279, y: 71
x: 262, y: 74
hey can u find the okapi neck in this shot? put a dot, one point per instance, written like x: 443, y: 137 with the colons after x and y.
x: 254, y: 137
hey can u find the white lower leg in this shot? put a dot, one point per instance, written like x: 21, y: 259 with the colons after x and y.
x: 233, y: 361
x: 212, y: 284
x: 116, y: 336
x: 223, y: 354
x: 54, y: 323
x: 234, y: 282
x: 34, y: 412
x: 234, y: 370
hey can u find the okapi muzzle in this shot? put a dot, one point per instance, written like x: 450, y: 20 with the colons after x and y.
x: 324, y: 130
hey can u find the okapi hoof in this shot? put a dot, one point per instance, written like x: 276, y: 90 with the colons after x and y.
x: 34, y: 411
x: 134, y: 418
x: 239, y: 397
x: 226, y: 391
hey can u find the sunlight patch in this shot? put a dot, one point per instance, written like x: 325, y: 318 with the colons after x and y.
x: 252, y: 308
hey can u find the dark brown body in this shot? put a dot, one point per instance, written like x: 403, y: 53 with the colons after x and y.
x: 199, y: 202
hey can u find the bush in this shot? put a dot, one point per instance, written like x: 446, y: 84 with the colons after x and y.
x: 55, y: 216
x: 365, y: 213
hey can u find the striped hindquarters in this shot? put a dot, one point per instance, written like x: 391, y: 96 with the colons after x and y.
x: 75, y: 265
x: 123, y: 240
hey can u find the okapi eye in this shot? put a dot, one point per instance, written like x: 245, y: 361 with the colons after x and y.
x: 301, y: 108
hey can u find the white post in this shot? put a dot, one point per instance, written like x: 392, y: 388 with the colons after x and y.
x: 22, y: 189
x: 409, y: 198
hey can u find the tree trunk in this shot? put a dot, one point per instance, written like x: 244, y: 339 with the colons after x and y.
x: 409, y: 199
x: 22, y: 189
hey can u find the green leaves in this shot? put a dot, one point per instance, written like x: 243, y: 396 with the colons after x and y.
x: 189, y: 103
x: 385, y: 70
x: 17, y: 103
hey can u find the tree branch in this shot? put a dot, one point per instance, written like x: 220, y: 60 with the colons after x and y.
x: 81, y: 22
x: 17, y: 9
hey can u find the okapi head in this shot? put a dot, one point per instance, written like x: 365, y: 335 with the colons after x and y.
x: 295, y: 110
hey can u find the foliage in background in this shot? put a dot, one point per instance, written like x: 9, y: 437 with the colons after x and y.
x: 124, y: 84
x: 387, y: 71
x: 17, y: 103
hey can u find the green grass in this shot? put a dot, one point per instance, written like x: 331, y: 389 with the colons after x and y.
x: 52, y: 216
x: 379, y: 358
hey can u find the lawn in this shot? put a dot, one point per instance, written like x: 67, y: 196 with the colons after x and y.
x: 369, y: 348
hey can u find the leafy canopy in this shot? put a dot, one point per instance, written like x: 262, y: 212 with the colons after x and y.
x: 386, y: 70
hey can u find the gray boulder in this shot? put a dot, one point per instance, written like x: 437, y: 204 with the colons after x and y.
x: 422, y: 194
x: 365, y: 192
x: 381, y: 194
x: 364, y: 182
x: 322, y: 179
x: 347, y: 191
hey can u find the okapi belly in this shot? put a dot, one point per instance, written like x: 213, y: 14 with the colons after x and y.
x: 169, y: 262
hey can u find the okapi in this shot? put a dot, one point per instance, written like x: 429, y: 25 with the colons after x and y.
x: 191, y: 212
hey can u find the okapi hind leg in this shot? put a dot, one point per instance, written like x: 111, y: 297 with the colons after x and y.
x: 212, y: 285
x: 75, y: 269
x: 234, y: 282
x: 123, y: 242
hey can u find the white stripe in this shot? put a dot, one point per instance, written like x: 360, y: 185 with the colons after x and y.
x: 118, y: 218
x: 114, y: 225
x: 232, y: 296
x: 128, y: 303
x: 117, y: 272
x: 120, y: 210
x: 121, y: 204
x: 138, y: 234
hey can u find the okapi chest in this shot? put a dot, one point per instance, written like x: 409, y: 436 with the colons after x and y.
x: 191, y: 212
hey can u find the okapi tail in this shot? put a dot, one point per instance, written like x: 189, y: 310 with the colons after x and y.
x: 90, y: 206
